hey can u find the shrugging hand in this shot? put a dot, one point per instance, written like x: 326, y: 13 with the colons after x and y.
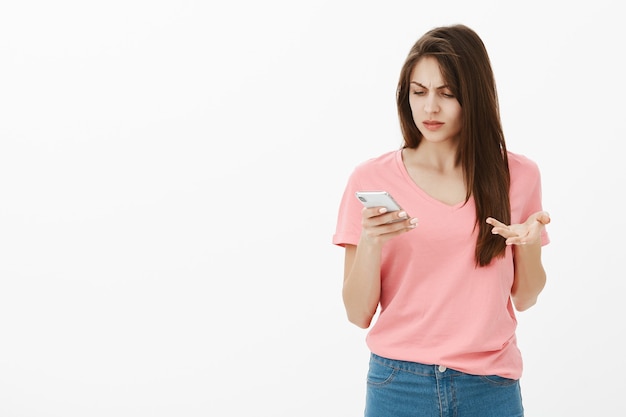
x: 521, y: 234
x: 379, y: 225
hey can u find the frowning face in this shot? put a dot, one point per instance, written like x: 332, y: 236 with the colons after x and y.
x: 436, y: 111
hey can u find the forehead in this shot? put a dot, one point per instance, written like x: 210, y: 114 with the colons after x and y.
x: 427, y: 72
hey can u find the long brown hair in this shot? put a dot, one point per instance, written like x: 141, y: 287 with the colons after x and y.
x: 466, y: 68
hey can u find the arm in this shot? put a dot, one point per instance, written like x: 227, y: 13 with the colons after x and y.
x: 529, y: 276
x: 361, y: 283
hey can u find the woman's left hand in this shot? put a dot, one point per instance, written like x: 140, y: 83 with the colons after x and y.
x: 521, y: 234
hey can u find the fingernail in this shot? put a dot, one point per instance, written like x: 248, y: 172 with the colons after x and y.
x: 402, y: 214
x: 382, y: 210
x: 414, y: 220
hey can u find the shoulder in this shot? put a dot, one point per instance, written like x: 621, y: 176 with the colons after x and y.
x: 521, y: 165
x: 383, y: 172
x: 380, y: 162
x: 524, y: 173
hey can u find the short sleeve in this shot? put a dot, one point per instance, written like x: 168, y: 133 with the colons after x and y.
x: 348, y: 227
x: 526, y: 191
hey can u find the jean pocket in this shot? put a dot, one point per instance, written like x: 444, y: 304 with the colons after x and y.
x: 379, y: 374
x: 499, y: 381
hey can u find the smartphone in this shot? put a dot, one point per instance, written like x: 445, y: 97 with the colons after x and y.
x: 378, y: 199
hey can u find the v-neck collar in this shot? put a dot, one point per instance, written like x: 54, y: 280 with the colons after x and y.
x: 405, y: 173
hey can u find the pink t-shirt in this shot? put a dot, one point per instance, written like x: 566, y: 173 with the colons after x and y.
x: 436, y: 307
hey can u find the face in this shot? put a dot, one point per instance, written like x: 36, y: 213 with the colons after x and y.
x: 436, y: 111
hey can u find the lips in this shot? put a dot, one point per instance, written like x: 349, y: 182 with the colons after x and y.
x: 432, y: 125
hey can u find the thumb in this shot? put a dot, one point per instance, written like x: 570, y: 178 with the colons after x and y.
x: 543, y: 217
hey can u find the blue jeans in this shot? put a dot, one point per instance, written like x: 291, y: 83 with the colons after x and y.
x: 402, y: 389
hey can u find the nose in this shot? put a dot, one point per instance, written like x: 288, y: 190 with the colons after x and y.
x: 430, y: 104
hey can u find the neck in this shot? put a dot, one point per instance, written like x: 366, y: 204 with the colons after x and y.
x: 439, y: 157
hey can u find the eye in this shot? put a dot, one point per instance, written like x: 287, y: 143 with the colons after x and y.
x: 418, y: 92
x: 448, y: 95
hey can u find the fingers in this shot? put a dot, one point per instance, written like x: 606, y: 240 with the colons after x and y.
x: 521, y: 234
x: 513, y: 234
x: 378, y: 223
x: 517, y: 240
x: 505, y: 232
x: 379, y: 215
x: 543, y: 217
x: 499, y: 228
x: 494, y: 222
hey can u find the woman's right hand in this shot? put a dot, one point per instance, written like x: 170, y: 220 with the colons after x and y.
x: 379, y: 225
x: 361, y: 285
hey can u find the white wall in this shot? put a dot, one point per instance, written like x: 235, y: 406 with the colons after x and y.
x: 169, y: 178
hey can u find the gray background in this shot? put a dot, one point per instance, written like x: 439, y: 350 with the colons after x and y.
x: 170, y: 173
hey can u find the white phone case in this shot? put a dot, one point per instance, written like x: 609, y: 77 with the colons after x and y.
x: 378, y: 199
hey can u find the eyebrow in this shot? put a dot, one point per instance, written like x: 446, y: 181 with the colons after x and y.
x: 441, y: 87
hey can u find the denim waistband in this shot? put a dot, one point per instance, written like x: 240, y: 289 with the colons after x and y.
x: 414, y: 367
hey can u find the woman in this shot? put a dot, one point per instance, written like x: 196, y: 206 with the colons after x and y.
x: 445, y: 288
